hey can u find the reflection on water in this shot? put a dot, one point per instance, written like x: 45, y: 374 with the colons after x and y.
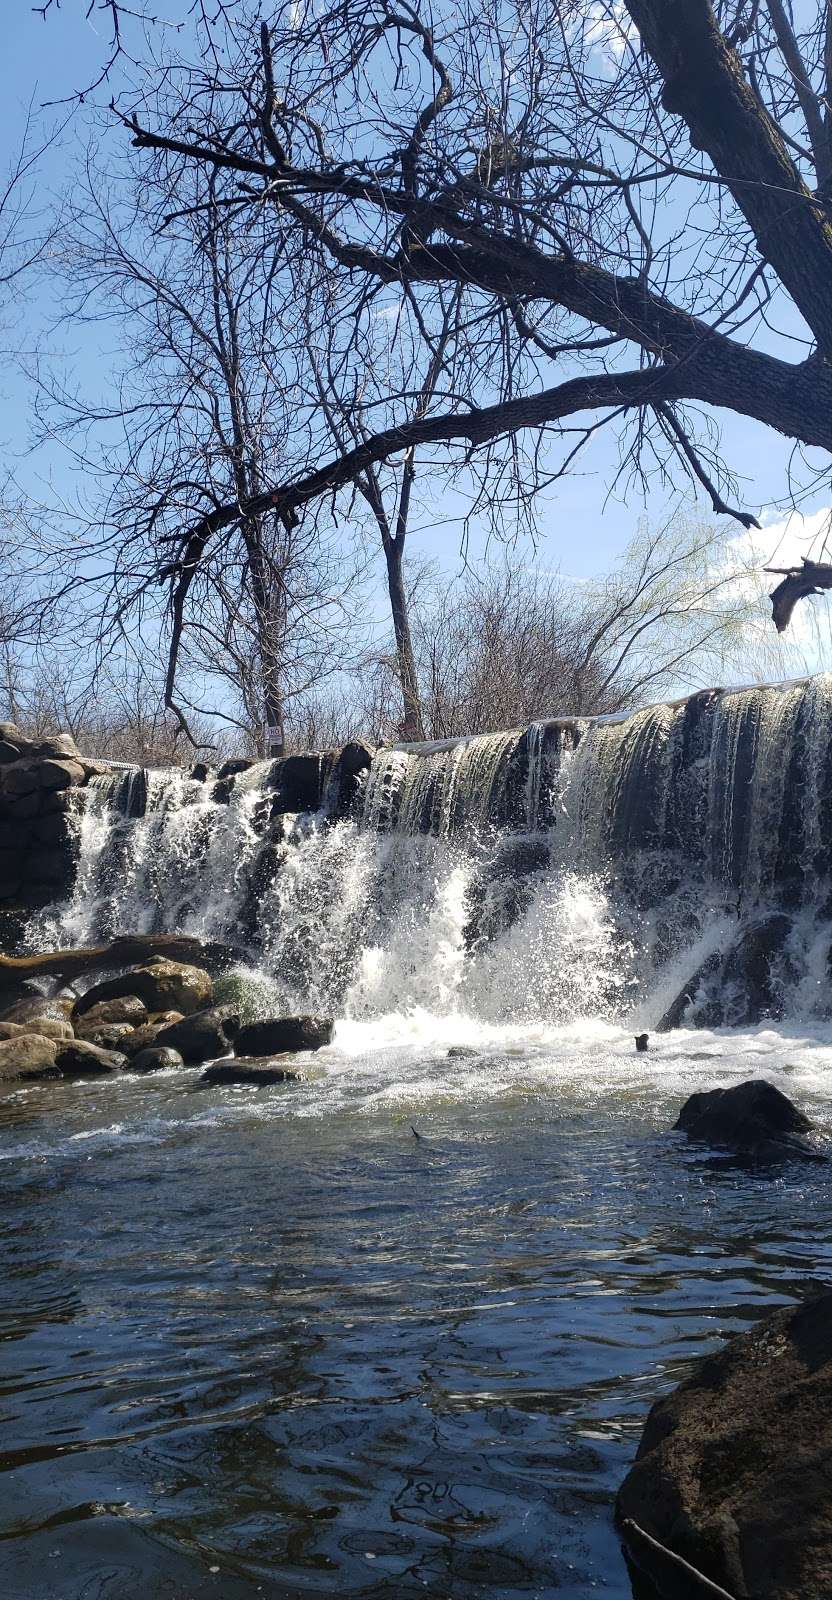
x: 246, y: 1348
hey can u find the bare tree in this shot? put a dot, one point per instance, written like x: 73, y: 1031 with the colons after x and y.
x: 630, y: 198
x: 202, y: 409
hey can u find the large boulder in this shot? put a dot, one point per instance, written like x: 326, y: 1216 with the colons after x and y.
x: 77, y: 1059
x: 201, y: 1036
x: 156, y: 1058
x: 253, y: 1071
x: 279, y: 1035
x: 734, y: 1468
x: 162, y: 985
x: 752, y: 1117
x: 31, y: 1055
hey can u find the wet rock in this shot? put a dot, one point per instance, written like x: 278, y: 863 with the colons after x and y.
x: 462, y: 1052
x: 127, y: 1008
x: 296, y: 781
x: 47, y: 1027
x: 675, y: 1014
x: 642, y: 1042
x: 734, y: 1467
x: 38, y: 1006
x: 31, y: 1055
x: 256, y: 1071
x: 748, y: 978
x: 160, y: 984
x: 107, y: 1035
x: 344, y: 781
x: 230, y: 769
x: 76, y: 1058
x: 202, y: 1036
x: 277, y: 1035
x: 753, y: 1116
x: 156, y: 1058
x: 145, y: 1036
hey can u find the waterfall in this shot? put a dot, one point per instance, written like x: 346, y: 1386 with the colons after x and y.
x: 565, y: 869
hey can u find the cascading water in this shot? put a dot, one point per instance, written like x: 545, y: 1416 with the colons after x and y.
x: 566, y: 870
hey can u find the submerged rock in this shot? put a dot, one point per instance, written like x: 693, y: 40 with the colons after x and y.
x: 753, y: 1116
x: 156, y: 1058
x: 202, y: 1036
x: 253, y: 1070
x: 734, y: 1467
x: 277, y: 1035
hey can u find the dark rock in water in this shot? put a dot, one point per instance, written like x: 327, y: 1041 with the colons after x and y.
x: 202, y: 1036
x: 230, y: 769
x: 642, y: 1042
x: 277, y: 1035
x: 747, y: 973
x: 296, y: 781
x: 744, y: 979
x: 160, y: 985
x: 155, y: 1058
x: 462, y: 1052
x: 77, y: 1059
x: 125, y: 1008
x: 343, y: 783
x: 255, y: 1070
x: 734, y: 1468
x: 752, y: 1116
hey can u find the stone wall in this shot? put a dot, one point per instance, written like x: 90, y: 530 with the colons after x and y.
x: 39, y: 781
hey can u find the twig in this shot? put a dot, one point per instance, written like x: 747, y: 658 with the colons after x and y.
x: 630, y: 1527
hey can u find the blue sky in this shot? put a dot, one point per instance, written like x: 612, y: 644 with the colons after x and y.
x: 582, y: 527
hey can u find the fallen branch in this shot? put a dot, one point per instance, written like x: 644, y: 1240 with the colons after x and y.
x: 630, y: 1528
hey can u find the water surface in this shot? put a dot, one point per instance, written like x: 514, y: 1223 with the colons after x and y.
x: 272, y: 1343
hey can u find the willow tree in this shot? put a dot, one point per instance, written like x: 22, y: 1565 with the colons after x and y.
x: 630, y: 200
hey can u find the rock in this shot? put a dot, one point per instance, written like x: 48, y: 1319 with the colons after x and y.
x: 20, y: 778
x: 257, y: 1071
x: 202, y: 1035
x: 277, y: 1035
x: 748, y: 979
x: 47, y: 1027
x: 344, y: 781
x: 733, y: 1469
x: 77, y: 1059
x: 31, y: 1055
x: 142, y: 1038
x: 160, y: 984
x: 122, y: 1008
x: 230, y: 769
x: 51, y: 866
x: 462, y: 1052
x: 57, y: 774
x: 107, y: 1035
x: 22, y: 806
x: 752, y: 1116
x: 12, y: 868
x: 642, y: 1042
x: 8, y: 752
x: 38, y: 1006
x: 297, y: 783
x: 156, y: 1058
x: 53, y: 830
x: 675, y: 1013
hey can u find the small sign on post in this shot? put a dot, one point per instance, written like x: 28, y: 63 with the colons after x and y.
x: 274, y: 739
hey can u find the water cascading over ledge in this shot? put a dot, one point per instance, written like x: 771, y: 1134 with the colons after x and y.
x: 673, y: 864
